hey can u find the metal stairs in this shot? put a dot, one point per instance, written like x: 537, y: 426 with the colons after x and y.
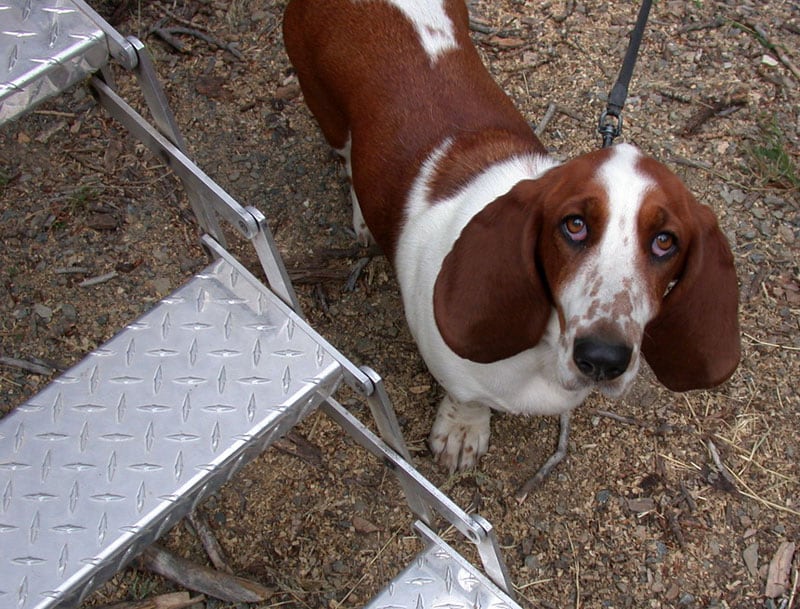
x: 115, y: 451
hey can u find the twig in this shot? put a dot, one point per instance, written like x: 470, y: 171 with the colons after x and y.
x: 568, y: 10
x: 721, y: 107
x: 358, y: 268
x: 367, y: 570
x: 724, y: 471
x: 209, y: 541
x: 676, y: 529
x: 316, y: 274
x: 577, y: 571
x: 5, y: 379
x: 169, y: 39
x: 761, y: 35
x: 179, y: 29
x: 13, y: 362
x: 687, y: 496
x: 99, y: 279
x: 196, y: 577
x: 548, y: 116
x: 621, y: 418
x: 767, y: 344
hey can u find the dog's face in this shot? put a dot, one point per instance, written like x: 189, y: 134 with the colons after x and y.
x: 631, y: 263
x: 617, y: 227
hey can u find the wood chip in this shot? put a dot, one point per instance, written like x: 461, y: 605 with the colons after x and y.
x: 779, y: 567
x: 364, y: 526
x: 641, y: 506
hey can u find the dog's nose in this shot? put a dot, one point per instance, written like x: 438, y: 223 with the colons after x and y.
x: 600, y: 361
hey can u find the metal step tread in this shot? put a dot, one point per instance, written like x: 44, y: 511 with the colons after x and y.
x: 440, y: 578
x: 111, y: 454
x: 45, y: 46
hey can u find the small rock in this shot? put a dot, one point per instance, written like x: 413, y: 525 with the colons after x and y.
x: 287, y: 92
x: 69, y: 312
x: 750, y: 556
x: 603, y: 496
x: 786, y: 233
x: 162, y: 286
x: 43, y: 311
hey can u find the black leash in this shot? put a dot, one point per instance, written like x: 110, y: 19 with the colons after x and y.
x: 611, y: 120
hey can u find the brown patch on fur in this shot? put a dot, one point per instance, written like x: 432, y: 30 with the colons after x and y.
x: 470, y: 155
x: 396, y: 112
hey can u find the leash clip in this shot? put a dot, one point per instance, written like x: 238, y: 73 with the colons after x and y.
x: 610, y: 127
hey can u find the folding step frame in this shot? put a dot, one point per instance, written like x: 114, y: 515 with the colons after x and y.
x: 38, y: 573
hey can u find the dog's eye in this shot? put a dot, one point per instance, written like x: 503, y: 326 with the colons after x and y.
x: 664, y: 244
x: 575, y: 228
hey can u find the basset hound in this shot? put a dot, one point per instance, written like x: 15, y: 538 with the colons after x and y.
x: 527, y: 283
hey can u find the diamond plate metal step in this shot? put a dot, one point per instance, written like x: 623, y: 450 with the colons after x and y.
x: 45, y: 46
x: 110, y: 455
x: 440, y: 578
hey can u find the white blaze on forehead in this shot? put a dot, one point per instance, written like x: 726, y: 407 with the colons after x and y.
x: 625, y: 186
x: 608, y: 286
x: 607, y: 298
x: 433, y: 26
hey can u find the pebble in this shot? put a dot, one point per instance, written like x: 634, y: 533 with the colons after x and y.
x: 43, y: 311
x: 69, y: 312
x: 603, y: 496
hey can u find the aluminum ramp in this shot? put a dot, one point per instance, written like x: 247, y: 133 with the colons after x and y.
x: 110, y: 455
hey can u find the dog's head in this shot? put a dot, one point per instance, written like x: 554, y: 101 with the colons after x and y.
x: 630, y: 262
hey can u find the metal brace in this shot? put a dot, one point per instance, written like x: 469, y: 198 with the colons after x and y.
x: 422, y: 496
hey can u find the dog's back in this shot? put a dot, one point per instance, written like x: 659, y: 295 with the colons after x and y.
x: 388, y: 81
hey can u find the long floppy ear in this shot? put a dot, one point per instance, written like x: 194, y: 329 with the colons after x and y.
x: 694, y: 343
x: 489, y: 300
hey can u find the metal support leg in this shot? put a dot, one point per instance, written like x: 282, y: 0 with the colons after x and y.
x: 272, y: 263
x: 384, y: 415
x: 165, y: 121
x: 190, y: 174
x: 422, y: 495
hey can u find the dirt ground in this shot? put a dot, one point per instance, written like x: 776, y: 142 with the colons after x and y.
x: 640, y: 514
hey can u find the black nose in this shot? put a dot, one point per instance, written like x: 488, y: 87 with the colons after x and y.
x: 600, y: 361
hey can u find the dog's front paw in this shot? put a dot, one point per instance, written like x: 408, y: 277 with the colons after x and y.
x: 460, y: 434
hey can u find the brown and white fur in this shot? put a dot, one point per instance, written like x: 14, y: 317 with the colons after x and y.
x: 526, y: 283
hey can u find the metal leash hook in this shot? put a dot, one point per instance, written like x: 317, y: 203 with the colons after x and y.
x: 610, y: 126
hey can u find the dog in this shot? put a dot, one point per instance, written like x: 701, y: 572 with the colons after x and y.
x: 527, y: 283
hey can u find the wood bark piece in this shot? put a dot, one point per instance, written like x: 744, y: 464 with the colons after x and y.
x: 209, y: 541
x: 174, y: 600
x: 188, y: 574
x: 779, y: 567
